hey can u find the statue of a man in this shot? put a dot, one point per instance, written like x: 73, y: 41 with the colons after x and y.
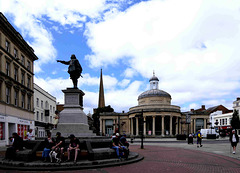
x: 74, y: 69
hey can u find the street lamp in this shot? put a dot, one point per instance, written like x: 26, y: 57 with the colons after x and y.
x: 141, y: 122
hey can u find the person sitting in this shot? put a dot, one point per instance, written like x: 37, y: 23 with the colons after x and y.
x: 124, y: 141
x: 73, y: 146
x: 16, y: 146
x: 30, y: 135
x: 60, y: 143
x: 117, y: 146
x: 48, y: 143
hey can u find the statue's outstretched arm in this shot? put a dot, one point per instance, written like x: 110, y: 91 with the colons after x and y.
x: 64, y: 62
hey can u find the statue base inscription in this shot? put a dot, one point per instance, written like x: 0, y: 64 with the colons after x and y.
x: 72, y: 118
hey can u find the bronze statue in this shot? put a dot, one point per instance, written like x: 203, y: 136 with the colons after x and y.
x: 74, y: 69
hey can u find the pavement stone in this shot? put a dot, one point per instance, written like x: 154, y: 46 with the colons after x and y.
x: 169, y: 155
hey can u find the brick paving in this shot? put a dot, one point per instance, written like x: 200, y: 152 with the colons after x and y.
x: 176, y: 157
x: 171, y: 159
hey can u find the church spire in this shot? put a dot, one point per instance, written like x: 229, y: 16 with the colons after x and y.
x: 101, y: 101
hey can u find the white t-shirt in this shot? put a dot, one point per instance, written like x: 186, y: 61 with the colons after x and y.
x: 29, y: 135
x: 234, y: 139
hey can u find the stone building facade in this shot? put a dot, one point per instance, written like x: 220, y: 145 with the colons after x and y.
x: 158, y: 116
x: 16, y: 82
x: 45, y: 107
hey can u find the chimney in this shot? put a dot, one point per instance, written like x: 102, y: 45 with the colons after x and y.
x: 203, y: 107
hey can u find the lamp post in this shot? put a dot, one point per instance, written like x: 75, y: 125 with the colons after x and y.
x: 141, y: 122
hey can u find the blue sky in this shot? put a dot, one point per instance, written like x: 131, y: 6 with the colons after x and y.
x: 193, y: 47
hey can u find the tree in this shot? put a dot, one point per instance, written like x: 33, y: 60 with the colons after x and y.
x: 235, y: 122
x: 96, y: 116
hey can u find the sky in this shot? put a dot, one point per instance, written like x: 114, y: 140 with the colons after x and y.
x: 192, y: 46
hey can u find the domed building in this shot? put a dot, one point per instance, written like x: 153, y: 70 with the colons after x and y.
x: 159, y: 116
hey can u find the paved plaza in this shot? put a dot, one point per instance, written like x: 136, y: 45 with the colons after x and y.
x: 170, y: 155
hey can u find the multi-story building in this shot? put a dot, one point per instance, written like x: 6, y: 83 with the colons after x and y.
x: 16, y: 82
x: 44, y: 108
x: 236, y: 104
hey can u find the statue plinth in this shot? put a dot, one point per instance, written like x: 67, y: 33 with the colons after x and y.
x: 72, y: 118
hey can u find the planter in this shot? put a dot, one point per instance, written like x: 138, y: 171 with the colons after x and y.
x: 181, y: 137
x: 211, y: 136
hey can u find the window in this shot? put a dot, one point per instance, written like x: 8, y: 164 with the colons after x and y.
x: 37, y: 116
x: 28, y: 82
x: 16, y: 74
x: 7, y: 68
x: 23, y: 100
x: 23, y: 60
x: 29, y: 103
x: 16, y: 98
x: 8, y: 96
x: 23, y: 78
x: 28, y: 65
x: 50, y: 119
x: 46, y: 105
x: 37, y: 102
x: 7, y: 46
x: 15, y: 52
x: 41, y: 116
x: 46, y: 119
x: 41, y: 104
x: 51, y: 108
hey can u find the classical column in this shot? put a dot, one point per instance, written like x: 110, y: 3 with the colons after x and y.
x: 191, y: 125
x: 163, y: 125
x: 100, y: 126
x: 131, y: 126
x: 153, y: 125
x: 144, y: 126
x: 205, y: 124
x: 171, y: 125
x: 176, y: 126
x: 104, y: 127
x: 194, y: 125
x: 114, y: 127
x: 180, y: 126
x: 137, y: 126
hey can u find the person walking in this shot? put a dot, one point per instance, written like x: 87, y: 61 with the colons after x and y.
x: 199, y: 139
x: 234, y: 139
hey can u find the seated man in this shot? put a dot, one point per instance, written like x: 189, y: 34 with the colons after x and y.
x: 73, y: 146
x: 60, y: 143
x: 124, y: 141
x: 116, y: 145
x: 16, y: 146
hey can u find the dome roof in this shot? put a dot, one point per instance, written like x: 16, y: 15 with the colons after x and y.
x: 153, y: 78
x: 154, y: 93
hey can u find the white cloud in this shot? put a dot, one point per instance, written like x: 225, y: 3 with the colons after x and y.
x: 193, y: 46
x: 28, y: 16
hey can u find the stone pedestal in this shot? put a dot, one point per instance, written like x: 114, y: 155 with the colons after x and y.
x: 72, y: 118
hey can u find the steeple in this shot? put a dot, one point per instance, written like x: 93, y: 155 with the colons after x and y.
x: 101, y: 100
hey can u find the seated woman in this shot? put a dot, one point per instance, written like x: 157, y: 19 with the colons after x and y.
x: 73, y: 146
x: 48, y: 143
